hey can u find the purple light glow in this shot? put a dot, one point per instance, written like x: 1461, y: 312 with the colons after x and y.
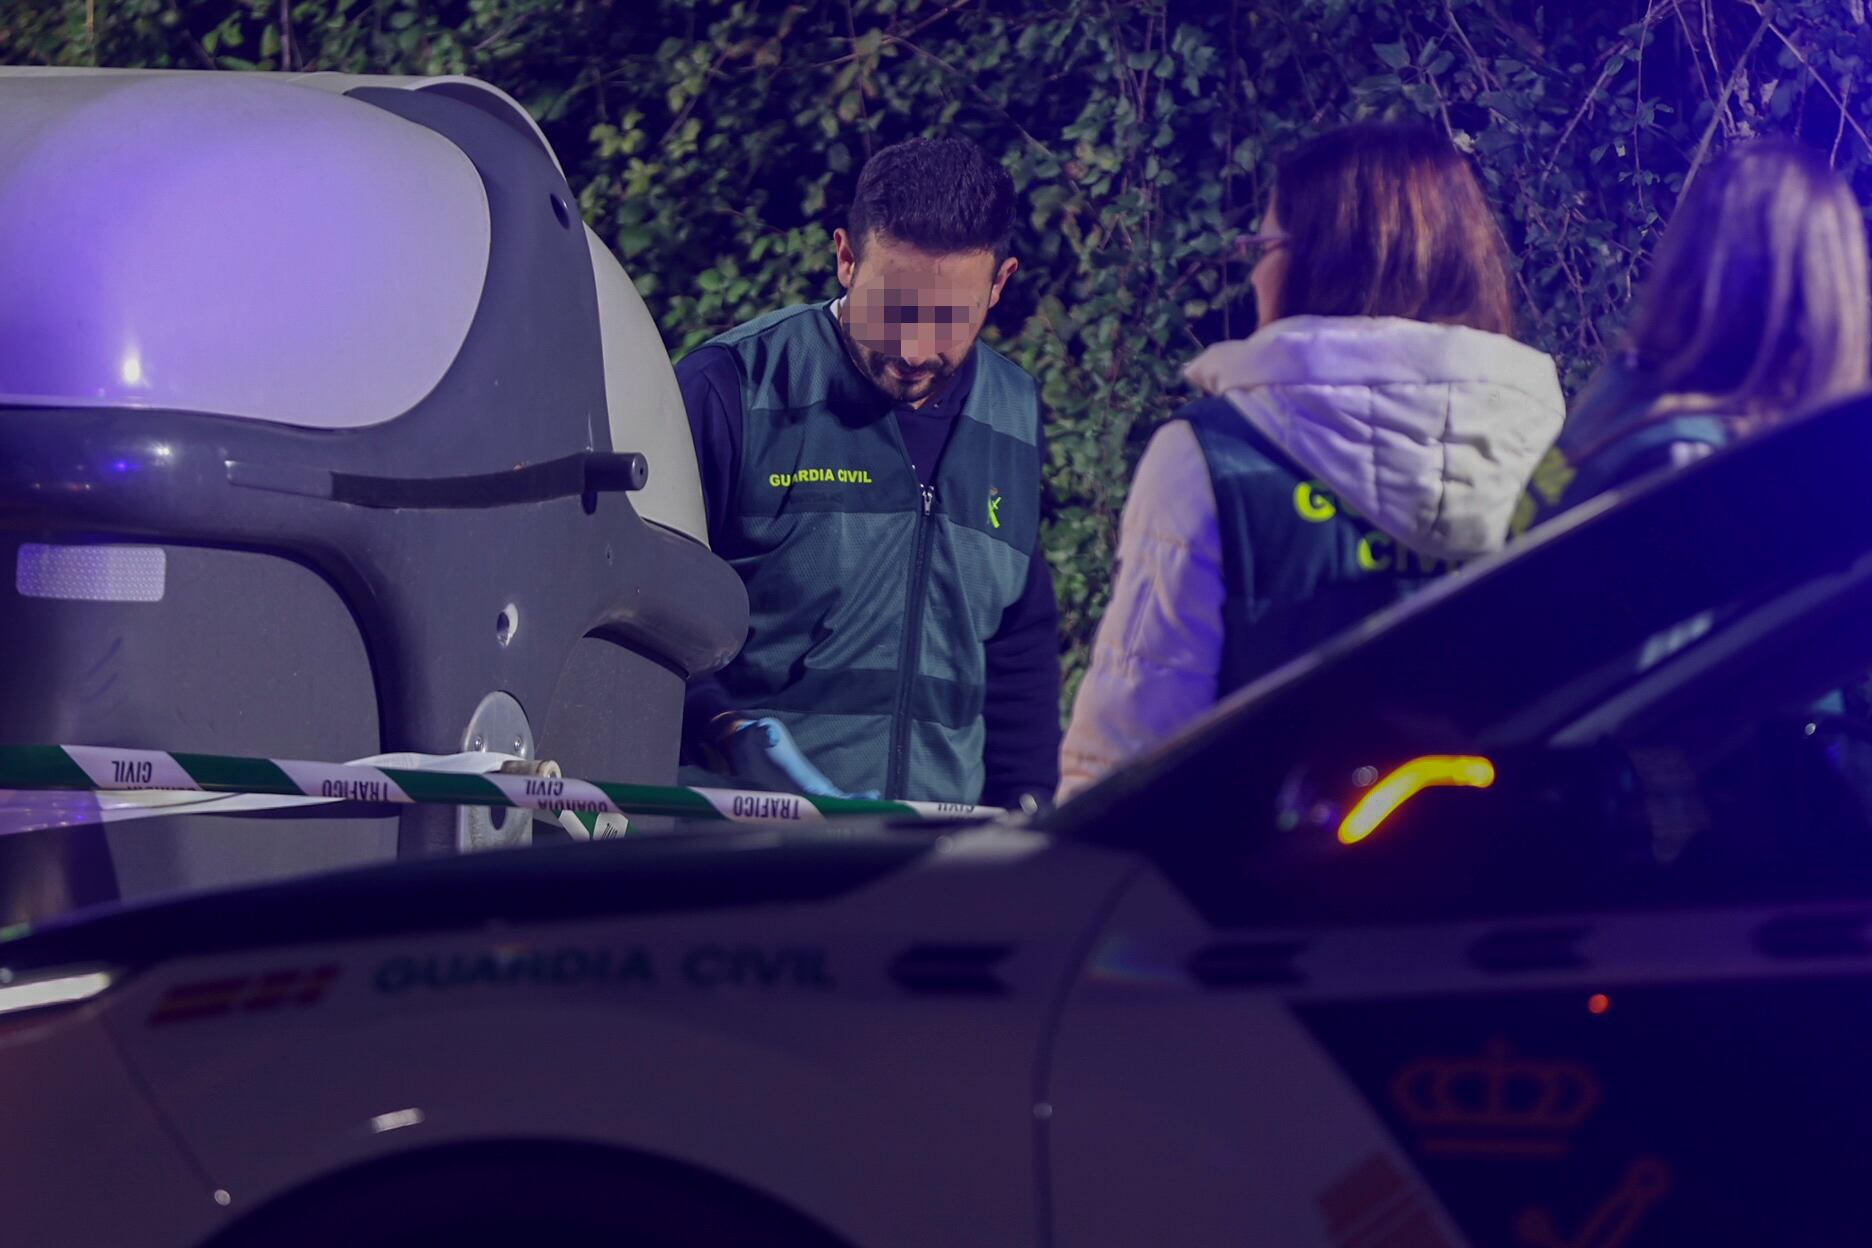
x: 229, y: 243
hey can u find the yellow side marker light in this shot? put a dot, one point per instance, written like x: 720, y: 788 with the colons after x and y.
x: 1432, y: 771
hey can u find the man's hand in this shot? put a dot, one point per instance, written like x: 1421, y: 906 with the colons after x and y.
x: 762, y: 753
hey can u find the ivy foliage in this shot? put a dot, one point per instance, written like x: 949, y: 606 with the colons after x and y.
x: 715, y: 143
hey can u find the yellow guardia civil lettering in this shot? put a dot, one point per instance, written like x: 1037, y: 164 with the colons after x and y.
x: 1375, y: 553
x: 1313, y: 503
x: 816, y: 476
x: 1380, y: 552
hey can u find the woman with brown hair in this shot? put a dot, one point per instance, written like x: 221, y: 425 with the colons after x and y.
x: 1758, y: 306
x: 1376, y: 430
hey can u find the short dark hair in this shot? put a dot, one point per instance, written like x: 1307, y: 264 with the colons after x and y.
x: 938, y: 195
x: 1388, y: 219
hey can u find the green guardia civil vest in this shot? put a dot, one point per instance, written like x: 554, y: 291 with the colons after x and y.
x: 871, y: 599
x: 1297, y: 566
x: 1614, y: 427
x: 1600, y: 468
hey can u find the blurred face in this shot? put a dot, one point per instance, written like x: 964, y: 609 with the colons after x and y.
x: 910, y: 318
x: 1270, y: 268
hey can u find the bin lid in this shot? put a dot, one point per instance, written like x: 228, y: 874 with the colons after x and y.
x: 231, y: 244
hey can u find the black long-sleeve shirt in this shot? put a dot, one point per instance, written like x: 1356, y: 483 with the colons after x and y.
x: 1021, y: 708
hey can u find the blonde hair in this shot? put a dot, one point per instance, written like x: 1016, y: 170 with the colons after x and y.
x: 1759, y: 302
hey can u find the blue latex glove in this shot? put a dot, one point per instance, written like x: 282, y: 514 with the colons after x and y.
x: 762, y: 753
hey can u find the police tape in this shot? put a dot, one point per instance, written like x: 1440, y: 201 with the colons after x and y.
x: 103, y: 769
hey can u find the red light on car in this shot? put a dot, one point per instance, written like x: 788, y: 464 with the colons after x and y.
x: 1598, y: 1003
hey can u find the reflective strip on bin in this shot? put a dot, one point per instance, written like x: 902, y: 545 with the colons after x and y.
x: 91, y: 573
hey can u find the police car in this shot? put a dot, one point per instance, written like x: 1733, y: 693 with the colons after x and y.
x: 1533, y: 912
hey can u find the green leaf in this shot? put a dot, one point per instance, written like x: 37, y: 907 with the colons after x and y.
x: 634, y: 240
x: 1424, y: 96
x: 1393, y: 54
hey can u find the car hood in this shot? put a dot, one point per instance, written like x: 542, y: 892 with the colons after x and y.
x: 653, y: 874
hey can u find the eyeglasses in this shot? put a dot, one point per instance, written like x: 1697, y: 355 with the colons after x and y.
x: 1254, y: 246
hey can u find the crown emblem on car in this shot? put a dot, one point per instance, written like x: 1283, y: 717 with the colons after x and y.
x: 1497, y: 1103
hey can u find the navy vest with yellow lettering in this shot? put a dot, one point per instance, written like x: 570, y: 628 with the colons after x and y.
x: 1297, y: 567
x: 871, y: 599
x: 1618, y: 430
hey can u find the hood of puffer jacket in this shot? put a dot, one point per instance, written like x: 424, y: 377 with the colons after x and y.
x: 1430, y: 432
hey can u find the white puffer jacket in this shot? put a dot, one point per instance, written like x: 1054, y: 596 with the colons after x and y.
x: 1429, y: 432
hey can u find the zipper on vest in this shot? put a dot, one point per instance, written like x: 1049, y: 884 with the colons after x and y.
x: 898, y: 777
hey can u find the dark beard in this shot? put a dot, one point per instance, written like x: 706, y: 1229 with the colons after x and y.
x: 875, y: 365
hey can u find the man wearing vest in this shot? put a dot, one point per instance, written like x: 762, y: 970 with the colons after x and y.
x: 873, y: 474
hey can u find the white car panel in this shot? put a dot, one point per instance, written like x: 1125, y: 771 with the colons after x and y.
x: 891, y: 1117
x: 86, y: 1159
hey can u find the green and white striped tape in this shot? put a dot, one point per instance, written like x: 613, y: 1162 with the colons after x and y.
x: 103, y: 769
